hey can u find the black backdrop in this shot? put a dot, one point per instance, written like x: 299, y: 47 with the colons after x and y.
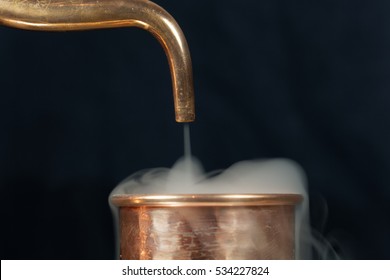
x: 306, y: 80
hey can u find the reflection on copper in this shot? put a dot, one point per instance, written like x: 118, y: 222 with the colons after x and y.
x: 216, y: 226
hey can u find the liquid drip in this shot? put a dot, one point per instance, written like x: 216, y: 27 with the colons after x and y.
x: 188, y: 173
x: 187, y: 142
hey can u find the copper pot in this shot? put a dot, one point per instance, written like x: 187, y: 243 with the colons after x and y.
x: 207, y: 226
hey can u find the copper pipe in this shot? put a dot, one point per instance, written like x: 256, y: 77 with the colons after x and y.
x: 63, y: 15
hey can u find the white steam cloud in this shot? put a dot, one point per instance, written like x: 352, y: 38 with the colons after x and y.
x: 187, y: 177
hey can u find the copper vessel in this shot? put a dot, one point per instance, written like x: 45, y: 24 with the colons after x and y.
x: 207, y: 226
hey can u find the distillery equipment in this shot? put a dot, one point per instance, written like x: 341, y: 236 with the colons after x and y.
x: 177, y: 226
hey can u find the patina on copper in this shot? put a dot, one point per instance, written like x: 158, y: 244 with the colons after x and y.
x: 216, y: 226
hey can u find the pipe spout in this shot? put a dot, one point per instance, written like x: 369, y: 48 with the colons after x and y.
x: 69, y: 15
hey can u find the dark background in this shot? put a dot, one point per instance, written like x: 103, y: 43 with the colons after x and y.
x: 306, y: 80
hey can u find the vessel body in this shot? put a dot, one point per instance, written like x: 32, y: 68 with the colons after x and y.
x: 199, y: 227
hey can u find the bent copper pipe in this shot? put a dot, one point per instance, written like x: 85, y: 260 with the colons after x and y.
x: 69, y: 15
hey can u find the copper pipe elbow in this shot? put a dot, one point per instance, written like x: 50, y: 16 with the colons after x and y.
x: 62, y: 15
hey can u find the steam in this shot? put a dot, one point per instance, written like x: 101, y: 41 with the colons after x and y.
x: 187, y: 177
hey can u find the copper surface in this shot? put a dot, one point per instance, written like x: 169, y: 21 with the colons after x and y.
x: 62, y: 15
x: 217, y: 226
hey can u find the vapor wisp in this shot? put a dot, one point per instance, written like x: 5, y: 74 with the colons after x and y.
x: 274, y: 176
